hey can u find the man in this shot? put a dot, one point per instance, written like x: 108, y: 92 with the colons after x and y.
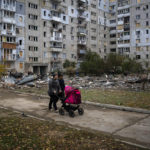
x: 54, y: 90
x: 62, y: 85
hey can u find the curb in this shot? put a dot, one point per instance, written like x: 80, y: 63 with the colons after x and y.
x: 122, y: 108
x: 109, y: 106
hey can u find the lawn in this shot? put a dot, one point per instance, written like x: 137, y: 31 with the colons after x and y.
x: 116, y: 97
x: 18, y: 132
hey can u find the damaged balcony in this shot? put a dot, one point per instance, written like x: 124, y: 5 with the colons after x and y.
x: 56, y: 16
x: 56, y: 39
x: 82, y: 16
x: 55, y: 47
x: 82, y: 31
x: 56, y: 59
x: 81, y: 42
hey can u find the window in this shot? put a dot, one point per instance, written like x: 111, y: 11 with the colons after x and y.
x: 20, y: 53
x: 44, y: 34
x: 147, y: 23
x: 93, y: 5
x: 147, y: 56
x: 93, y: 38
x: 71, y: 19
x: 20, y: 42
x: 93, y: 13
x: 147, y: 31
x: 138, y: 56
x: 138, y: 48
x: 44, y: 23
x: 137, y: 8
x: 44, y: 44
x: 64, y: 36
x: 93, y: 30
x: 147, y: 40
x: 64, y: 55
x: 44, y: 13
x: 31, y: 5
x: 147, y: 7
x: 21, y: 65
x: 64, y: 28
x: 93, y: 21
x: 64, y: 45
x: 137, y: 41
x: 72, y: 11
x: 72, y: 55
x: 72, y: 2
x: 138, y: 17
x: 72, y: 37
x: 64, y: 18
x: 138, y: 1
x: 20, y: 7
x: 138, y: 25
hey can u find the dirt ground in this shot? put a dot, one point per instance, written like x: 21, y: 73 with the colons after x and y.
x: 128, y: 126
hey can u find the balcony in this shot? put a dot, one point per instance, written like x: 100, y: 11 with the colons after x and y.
x: 81, y: 31
x: 124, y: 45
x: 56, y: 19
x: 8, y: 32
x: 58, y: 1
x: 8, y: 20
x: 56, y: 39
x: 123, y: 15
x: 8, y: 7
x: 82, y: 1
x: 81, y: 42
x: 56, y: 59
x: 56, y: 49
x: 120, y: 23
x: 9, y: 57
x: 82, y: 51
x: 82, y: 16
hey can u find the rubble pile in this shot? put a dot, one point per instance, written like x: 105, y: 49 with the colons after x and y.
x: 19, y: 80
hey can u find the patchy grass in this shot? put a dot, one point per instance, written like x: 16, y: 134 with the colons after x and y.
x: 116, y: 97
x: 18, y: 132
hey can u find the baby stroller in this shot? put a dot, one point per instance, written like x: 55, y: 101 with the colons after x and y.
x: 71, y: 102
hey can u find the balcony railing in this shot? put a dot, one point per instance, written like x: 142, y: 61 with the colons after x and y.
x: 56, y: 48
x: 8, y: 7
x: 82, y: 16
x: 83, y: 1
x: 82, y: 31
x: 56, y: 18
x: 82, y: 42
x: 8, y: 32
x: 56, y: 59
x: 9, y: 57
x: 56, y: 39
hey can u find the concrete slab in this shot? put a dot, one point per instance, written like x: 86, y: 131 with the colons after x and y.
x: 140, y: 131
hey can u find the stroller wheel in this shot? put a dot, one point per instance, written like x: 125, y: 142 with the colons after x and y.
x: 71, y: 113
x: 80, y: 111
x: 61, y: 111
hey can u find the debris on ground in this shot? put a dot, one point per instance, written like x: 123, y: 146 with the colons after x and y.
x: 134, y: 82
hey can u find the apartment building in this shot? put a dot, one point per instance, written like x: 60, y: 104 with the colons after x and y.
x: 129, y: 29
x: 39, y: 35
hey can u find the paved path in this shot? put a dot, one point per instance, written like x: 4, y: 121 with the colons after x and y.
x: 129, y: 126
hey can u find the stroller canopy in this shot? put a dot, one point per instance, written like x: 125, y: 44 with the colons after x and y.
x: 73, y: 96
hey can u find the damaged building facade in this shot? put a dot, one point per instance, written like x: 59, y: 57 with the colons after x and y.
x: 39, y: 35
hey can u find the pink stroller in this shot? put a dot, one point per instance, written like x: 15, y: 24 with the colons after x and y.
x: 71, y: 102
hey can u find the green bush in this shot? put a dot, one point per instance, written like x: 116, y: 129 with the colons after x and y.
x: 68, y: 63
x: 114, y: 63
